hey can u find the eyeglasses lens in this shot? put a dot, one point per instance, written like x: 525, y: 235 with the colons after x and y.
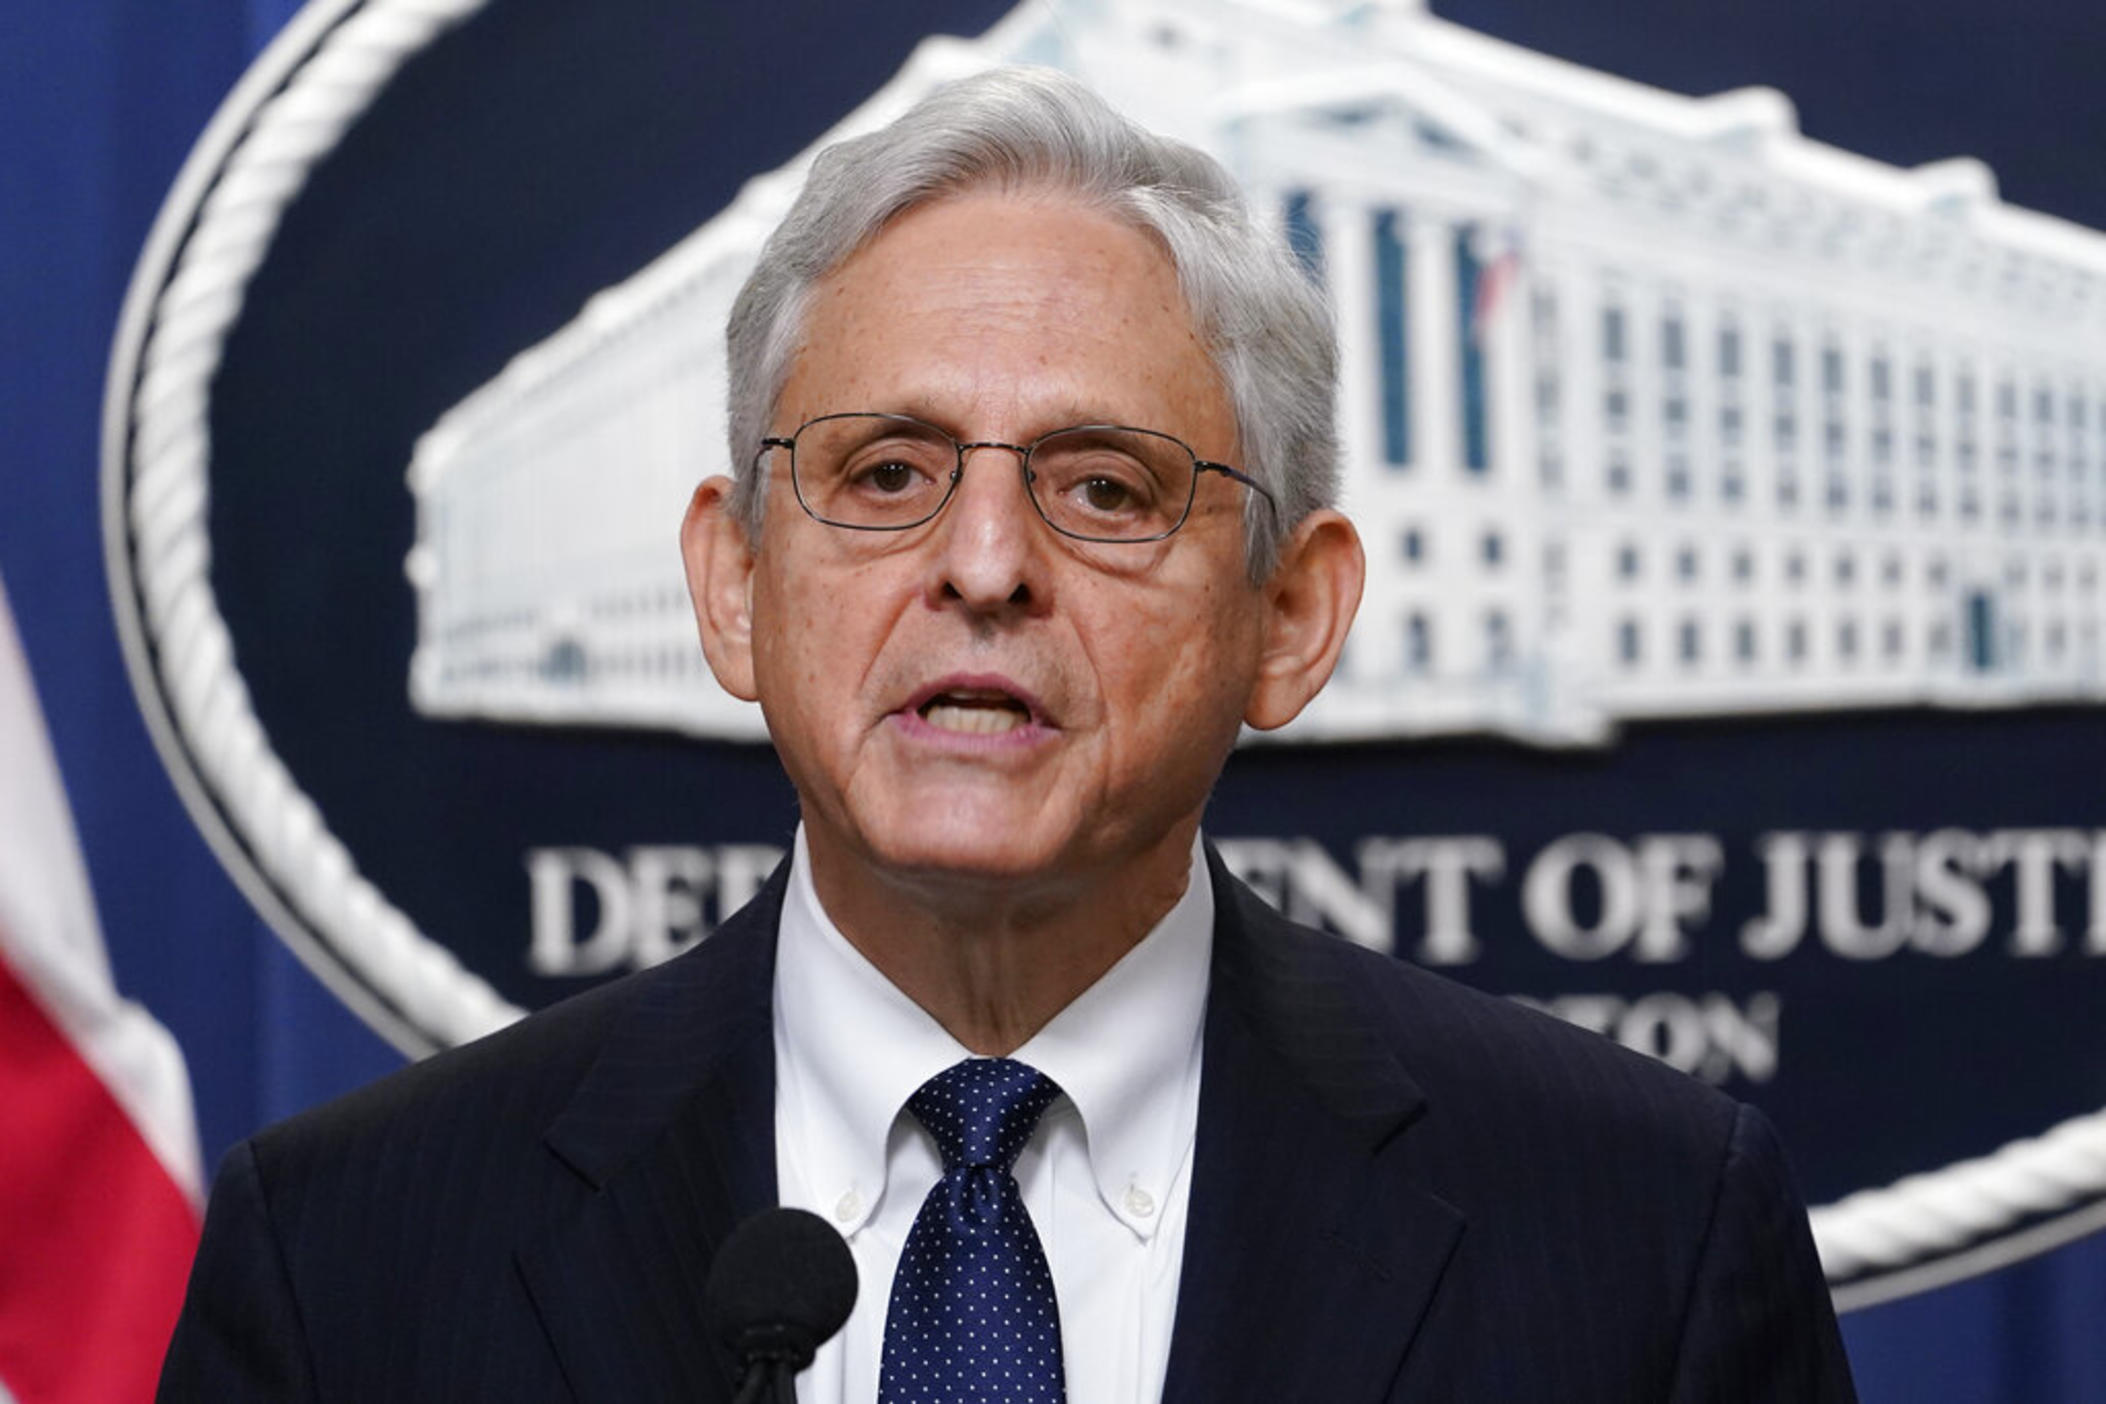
x: 885, y: 473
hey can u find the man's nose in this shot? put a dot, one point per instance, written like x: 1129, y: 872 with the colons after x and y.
x: 991, y: 545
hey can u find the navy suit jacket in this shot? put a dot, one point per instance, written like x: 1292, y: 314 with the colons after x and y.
x: 1402, y: 1190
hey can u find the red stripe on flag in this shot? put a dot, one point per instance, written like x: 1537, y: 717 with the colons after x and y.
x: 95, y: 1238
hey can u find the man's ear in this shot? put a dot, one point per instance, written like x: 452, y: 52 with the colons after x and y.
x: 719, y: 560
x: 1310, y: 601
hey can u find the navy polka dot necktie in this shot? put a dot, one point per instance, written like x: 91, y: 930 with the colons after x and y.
x: 973, y: 1320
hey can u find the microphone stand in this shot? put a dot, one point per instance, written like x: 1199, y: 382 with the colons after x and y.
x: 782, y: 1282
x: 769, y: 1379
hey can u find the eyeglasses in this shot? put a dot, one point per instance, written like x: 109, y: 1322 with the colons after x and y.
x: 1092, y: 482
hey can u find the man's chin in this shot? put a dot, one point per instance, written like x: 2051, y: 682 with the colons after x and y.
x: 983, y: 857
x: 933, y: 847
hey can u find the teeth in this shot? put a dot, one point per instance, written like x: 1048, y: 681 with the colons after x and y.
x: 977, y: 721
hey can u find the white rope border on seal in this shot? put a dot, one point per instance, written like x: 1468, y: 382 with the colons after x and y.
x: 169, y: 496
x: 1920, y: 1216
x: 1879, y: 1231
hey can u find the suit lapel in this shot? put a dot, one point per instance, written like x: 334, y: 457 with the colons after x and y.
x: 1310, y: 1257
x: 673, y: 1132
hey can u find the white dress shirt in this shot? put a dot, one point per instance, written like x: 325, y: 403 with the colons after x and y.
x: 1105, y: 1177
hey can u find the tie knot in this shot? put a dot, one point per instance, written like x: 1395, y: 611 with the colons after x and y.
x: 981, y: 1111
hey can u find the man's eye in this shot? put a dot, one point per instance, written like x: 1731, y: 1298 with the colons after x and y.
x: 889, y: 477
x: 1107, y: 495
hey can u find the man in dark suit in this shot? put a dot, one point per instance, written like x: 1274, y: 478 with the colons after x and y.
x: 1095, y: 1123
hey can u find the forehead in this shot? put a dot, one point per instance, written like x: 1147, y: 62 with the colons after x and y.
x: 1002, y: 313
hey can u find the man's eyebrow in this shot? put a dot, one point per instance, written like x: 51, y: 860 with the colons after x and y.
x: 1061, y: 414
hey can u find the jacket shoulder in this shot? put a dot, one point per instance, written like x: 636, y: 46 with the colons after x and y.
x: 506, y: 1088
x: 1485, y: 1062
x: 528, y: 1067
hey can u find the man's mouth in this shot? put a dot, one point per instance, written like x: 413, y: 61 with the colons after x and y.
x: 974, y: 713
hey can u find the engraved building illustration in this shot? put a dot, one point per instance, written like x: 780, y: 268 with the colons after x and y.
x: 1651, y: 406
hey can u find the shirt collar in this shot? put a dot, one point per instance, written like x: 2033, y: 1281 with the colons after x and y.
x: 1125, y: 1051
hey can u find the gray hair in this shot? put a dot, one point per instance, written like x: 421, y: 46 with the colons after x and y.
x: 1266, y: 325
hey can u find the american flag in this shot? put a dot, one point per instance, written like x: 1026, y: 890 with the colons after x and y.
x: 99, y: 1174
x: 1498, y: 254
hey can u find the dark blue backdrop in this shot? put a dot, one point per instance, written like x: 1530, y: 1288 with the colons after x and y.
x: 101, y: 100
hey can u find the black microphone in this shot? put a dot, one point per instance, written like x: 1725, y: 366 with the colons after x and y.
x: 781, y: 1285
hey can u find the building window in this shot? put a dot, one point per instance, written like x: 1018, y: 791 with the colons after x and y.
x: 1547, y: 391
x: 1729, y: 352
x: 1469, y: 277
x: 1743, y: 565
x: 1418, y: 642
x: 1832, y: 368
x: 1673, y: 351
x: 1304, y: 235
x: 1690, y: 641
x: 1543, y: 313
x: 1627, y: 562
x: 1498, y: 641
x: 1686, y: 563
x: 1391, y: 326
x: 1782, y: 358
x: 1890, y: 639
x: 1744, y: 641
x: 1845, y: 571
x: 1629, y: 643
x: 1846, y: 640
x: 1795, y: 641
x: 1612, y: 338
x: 1493, y: 549
x: 2100, y: 421
x: 1414, y: 542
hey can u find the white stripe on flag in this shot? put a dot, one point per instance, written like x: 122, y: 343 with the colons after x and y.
x: 50, y: 936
